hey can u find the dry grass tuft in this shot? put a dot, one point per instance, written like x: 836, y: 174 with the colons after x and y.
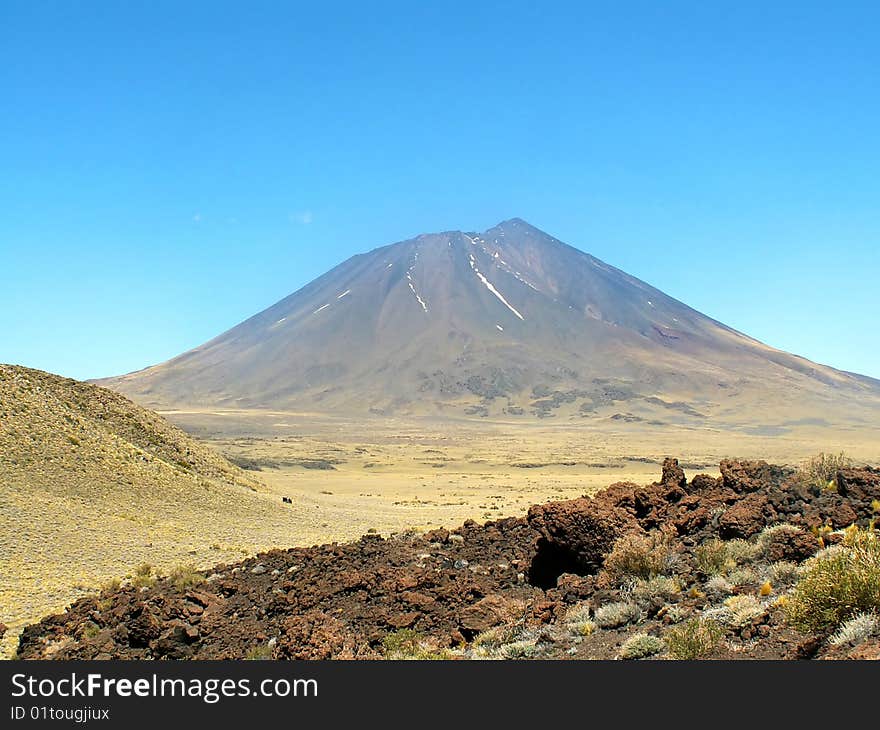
x: 820, y: 471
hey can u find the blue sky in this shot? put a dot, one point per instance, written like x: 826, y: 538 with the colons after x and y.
x: 168, y: 169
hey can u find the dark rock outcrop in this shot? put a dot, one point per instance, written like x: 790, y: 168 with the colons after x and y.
x: 862, y: 485
x: 792, y: 545
x: 341, y: 601
x: 747, y: 517
x: 575, y: 536
x: 673, y: 474
x: 750, y: 476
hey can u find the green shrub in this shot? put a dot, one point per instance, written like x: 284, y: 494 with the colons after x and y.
x: 711, y: 557
x: 837, y: 583
x: 403, y: 641
x: 742, y: 577
x: 693, y: 639
x: 583, y: 628
x: 511, y: 641
x: 639, y: 646
x: 409, y: 644
x: 674, y: 613
x: 717, y: 557
x: 495, y: 637
x: 90, y: 630
x: 578, y: 612
x: 260, y: 652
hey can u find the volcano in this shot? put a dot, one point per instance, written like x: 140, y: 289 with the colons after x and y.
x: 506, y: 323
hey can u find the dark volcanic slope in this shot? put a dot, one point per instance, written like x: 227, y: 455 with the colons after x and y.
x: 493, y: 322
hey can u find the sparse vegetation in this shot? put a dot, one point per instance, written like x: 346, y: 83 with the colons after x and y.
x: 87, y: 469
x: 639, y: 646
x: 260, y: 652
x: 143, y: 576
x: 655, y: 582
x: 401, y: 643
x: 741, y: 551
x: 577, y: 618
x: 410, y: 645
x: 820, y: 471
x: 856, y: 629
x: 110, y: 586
x: 619, y: 613
x: 738, y: 611
x: 838, y: 583
x: 718, y: 587
x: 654, y: 592
x: 711, y: 557
x: 185, y: 576
x: 782, y: 573
x: 635, y: 556
x: 693, y: 639
x: 768, y: 534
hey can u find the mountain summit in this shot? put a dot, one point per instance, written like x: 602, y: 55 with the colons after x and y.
x: 510, y: 322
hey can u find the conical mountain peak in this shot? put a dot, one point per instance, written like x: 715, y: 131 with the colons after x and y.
x: 510, y: 322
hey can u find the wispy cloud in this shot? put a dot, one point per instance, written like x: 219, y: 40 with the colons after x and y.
x: 303, y: 217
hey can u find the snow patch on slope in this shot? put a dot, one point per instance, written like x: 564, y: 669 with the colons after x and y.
x: 491, y: 288
x: 412, y: 286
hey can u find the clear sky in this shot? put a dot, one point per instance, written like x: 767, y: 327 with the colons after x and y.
x: 168, y: 169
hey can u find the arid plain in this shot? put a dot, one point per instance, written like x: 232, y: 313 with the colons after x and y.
x: 348, y: 477
x: 389, y: 474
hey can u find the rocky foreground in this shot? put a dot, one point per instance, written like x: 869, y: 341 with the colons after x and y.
x: 723, y: 568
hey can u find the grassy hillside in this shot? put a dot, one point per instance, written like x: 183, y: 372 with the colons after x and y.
x: 92, y: 485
